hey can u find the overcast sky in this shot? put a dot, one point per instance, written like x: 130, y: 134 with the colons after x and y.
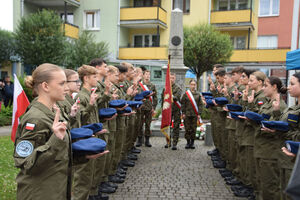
x: 6, y: 14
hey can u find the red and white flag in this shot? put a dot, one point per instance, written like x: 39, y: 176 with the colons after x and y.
x: 20, y: 104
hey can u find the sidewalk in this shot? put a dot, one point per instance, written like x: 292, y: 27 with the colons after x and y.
x: 5, y: 130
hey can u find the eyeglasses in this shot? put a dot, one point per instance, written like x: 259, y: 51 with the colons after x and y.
x: 76, y: 81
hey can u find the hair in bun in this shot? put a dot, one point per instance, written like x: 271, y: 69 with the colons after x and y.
x: 29, y: 82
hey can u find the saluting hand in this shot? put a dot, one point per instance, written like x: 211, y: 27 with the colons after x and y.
x: 251, y: 97
x: 236, y: 93
x: 212, y: 87
x: 59, y: 128
x: 75, y: 108
x: 276, y: 103
x: 93, y: 97
x: 130, y: 90
x: 209, y: 80
x: 245, y: 93
x: 107, y: 87
x: 225, y: 90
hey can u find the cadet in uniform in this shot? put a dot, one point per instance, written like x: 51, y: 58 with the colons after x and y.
x: 176, y: 110
x: 191, y: 107
x: 147, y: 109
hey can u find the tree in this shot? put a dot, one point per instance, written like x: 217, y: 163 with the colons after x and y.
x: 83, y: 50
x: 7, y: 45
x: 203, y: 47
x: 40, y: 38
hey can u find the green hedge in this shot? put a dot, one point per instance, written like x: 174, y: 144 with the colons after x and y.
x: 5, y: 115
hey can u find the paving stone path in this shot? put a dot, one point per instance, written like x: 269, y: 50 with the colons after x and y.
x: 162, y: 173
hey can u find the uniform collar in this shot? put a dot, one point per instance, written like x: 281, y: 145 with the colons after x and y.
x: 44, y: 109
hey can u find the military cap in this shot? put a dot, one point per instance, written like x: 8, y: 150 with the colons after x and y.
x: 134, y: 104
x: 118, y: 103
x: 234, y: 115
x: 139, y: 97
x: 234, y: 107
x: 276, y: 125
x: 253, y: 116
x: 221, y: 100
x: 77, y: 133
x: 208, y: 97
x: 206, y: 94
x: 95, y: 127
x: 209, y: 102
x: 292, y: 146
x: 89, y: 146
x: 126, y: 110
x: 146, y: 93
x: 107, y: 112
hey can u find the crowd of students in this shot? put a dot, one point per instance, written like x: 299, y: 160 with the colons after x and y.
x: 250, y: 153
x: 66, y: 100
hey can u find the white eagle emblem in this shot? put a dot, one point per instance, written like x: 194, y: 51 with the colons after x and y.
x: 166, y: 104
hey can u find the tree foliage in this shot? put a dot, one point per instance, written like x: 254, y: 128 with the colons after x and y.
x: 40, y: 38
x: 204, y: 46
x: 83, y: 50
x: 7, y: 45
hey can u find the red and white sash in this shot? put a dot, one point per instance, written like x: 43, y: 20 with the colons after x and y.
x: 194, y: 105
x: 177, y: 103
x: 145, y: 88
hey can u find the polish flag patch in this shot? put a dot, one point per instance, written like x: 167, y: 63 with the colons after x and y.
x: 260, y: 103
x: 78, y: 100
x: 121, y: 85
x: 29, y: 126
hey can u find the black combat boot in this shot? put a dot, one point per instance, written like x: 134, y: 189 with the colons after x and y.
x: 139, y: 142
x: 147, y: 142
x: 192, y: 146
x: 187, y: 146
x: 174, y: 145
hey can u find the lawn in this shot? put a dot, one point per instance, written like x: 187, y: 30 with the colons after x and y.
x: 8, y: 171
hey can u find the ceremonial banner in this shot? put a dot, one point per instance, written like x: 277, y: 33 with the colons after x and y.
x: 167, y: 107
x: 20, y: 105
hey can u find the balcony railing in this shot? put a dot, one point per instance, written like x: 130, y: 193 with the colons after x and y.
x: 143, y: 14
x: 71, y: 30
x: 231, y: 16
x: 259, y: 55
x: 143, y: 53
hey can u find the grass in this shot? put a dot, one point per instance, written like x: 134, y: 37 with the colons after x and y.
x: 8, y: 171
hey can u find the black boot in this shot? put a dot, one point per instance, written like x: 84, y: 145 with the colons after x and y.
x: 192, y: 146
x: 174, y: 145
x: 147, y: 142
x: 187, y: 146
x: 139, y: 142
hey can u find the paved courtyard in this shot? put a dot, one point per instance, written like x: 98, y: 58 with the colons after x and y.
x: 162, y: 173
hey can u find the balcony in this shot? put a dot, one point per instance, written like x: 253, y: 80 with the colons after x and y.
x: 71, y: 30
x: 232, y: 19
x: 143, y: 53
x: 143, y: 17
x: 259, y: 55
x: 53, y: 3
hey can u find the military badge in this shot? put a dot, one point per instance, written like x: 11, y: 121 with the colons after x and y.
x: 24, y: 148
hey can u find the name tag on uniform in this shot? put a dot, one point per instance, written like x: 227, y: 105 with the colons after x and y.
x: 265, y: 116
x: 293, y: 118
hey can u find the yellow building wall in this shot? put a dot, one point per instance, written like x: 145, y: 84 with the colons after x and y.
x: 198, y: 13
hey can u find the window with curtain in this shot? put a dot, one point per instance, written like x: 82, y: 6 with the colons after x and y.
x: 146, y: 41
x: 238, y: 42
x: 267, y: 42
x: 232, y: 5
x: 269, y: 7
x: 183, y: 5
x: 92, y: 20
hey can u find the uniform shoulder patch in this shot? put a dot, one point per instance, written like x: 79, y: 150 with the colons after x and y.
x: 24, y: 148
x: 29, y: 126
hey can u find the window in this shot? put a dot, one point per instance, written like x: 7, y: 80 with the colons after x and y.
x: 157, y: 74
x: 232, y: 5
x: 70, y: 17
x: 183, y: 5
x: 92, y: 20
x: 268, y: 8
x: 145, y: 3
x: 146, y: 41
x: 267, y: 42
x: 239, y: 42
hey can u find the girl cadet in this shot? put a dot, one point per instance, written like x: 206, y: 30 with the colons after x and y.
x: 191, y: 107
x: 69, y: 105
x: 42, y: 145
x: 291, y: 115
x: 267, y: 172
x: 84, y: 173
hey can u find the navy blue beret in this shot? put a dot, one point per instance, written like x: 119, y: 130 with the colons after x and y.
x: 95, y: 127
x: 118, y: 103
x: 276, y: 125
x: 134, y: 104
x: 126, y: 110
x: 206, y: 94
x: 146, y: 93
x: 254, y: 116
x: 209, y: 102
x: 221, y: 100
x: 208, y: 97
x: 265, y: 116
x: 80, y: 133
x: 139, y: 97
x: 89, y: 146
x: 107, y: 112
x: 234, y: 115
x: 292, y: 146
x: 234, y: 107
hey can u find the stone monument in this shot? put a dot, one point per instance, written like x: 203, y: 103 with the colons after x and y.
x: 176, y: 48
